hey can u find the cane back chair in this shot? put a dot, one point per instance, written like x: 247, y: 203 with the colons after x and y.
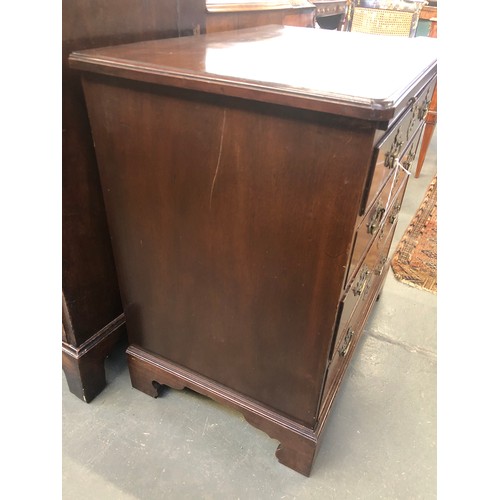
x: 383, y: 17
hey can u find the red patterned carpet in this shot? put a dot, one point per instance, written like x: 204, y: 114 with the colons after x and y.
x: 415, y: 259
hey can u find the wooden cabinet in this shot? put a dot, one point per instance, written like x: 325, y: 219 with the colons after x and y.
x: 226, y: 15
x: 252, y: 196
x: 93, y: 319
x: 92, y: 314
x: 330, y: 13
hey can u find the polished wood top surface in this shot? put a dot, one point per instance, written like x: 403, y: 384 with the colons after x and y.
x: 280, y: 64
x: 255, y: 5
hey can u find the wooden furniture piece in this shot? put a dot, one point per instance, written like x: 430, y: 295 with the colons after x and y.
x: 429, y: 11
x: 92, y: 313
x: 383, y: 17
x: 252, y: 195
x: 431, y: 116
x: 329, y: 13
x: 241, y: 14
x: 396, y: 18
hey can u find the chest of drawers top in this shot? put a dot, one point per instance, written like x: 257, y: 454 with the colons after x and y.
x: 373, y: 76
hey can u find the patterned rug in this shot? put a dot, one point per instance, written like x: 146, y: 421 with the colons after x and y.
x: 415, y: 259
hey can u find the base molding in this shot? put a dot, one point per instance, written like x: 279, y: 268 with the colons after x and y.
x: 298, y: 443
x: 83, y: 366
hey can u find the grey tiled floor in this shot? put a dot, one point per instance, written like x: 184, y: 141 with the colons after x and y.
x: 379, y: 442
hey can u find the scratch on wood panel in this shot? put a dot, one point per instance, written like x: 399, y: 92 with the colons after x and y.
x: 220, y: 155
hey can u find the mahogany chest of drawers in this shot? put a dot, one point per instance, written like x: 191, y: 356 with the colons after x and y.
x: 252, y: 194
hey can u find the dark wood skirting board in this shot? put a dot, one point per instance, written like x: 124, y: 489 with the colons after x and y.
x: 298, y: 444
x: 84, y: 365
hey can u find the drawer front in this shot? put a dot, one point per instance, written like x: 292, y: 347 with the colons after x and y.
x: 354, y: 308
x: 390, y: 148
x: 359, y: 291
x: 368, y: 228
x: 387, y: 230
x: 382, y: 209
x: 410, y: 156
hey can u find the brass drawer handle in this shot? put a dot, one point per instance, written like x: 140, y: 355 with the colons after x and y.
x: 414, y: 113
x: 346, y: 343
x: 360, y: 286
x: 374, y: 223
x: 394, y: 213
x: 424, y: 109
x: 389, y: 160
x: 422, y: 114
x: 393, y: 153
x: 380, y: 266
x: 407, y: 164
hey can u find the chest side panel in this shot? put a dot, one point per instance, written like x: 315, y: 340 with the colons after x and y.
x: 231, y: 223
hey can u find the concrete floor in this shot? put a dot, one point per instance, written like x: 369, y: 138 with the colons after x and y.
x: 379, y: 442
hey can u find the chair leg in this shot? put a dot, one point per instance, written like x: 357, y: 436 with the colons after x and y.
x: 426, y: 140
x: 430, y: 125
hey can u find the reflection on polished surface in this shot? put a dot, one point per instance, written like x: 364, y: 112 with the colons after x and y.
x: 273, y: 59
x: 384, y: 17
x: 285, y: 58
x: 251, y: 5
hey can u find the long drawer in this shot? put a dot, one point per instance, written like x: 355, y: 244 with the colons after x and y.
x: 390, y: 148
x: 369, y: 267
x: 356, y: 303
x: 376, y: 215
x: 373, y: 221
